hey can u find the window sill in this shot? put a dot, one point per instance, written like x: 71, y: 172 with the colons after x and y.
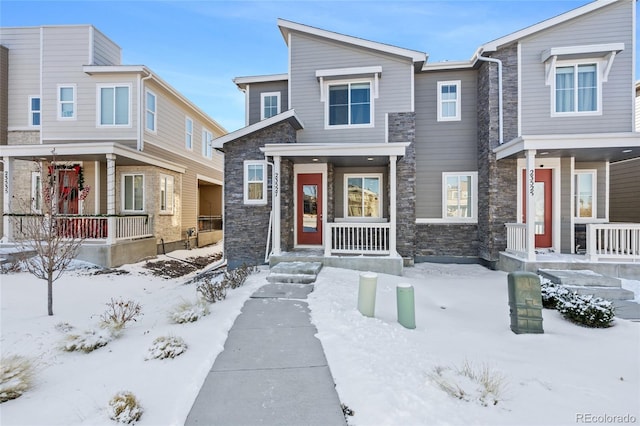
x: 447, y: 221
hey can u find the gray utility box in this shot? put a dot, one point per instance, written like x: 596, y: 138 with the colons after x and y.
x: 525, y: 302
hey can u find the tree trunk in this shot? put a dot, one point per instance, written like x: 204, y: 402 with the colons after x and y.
x: 50, y: 293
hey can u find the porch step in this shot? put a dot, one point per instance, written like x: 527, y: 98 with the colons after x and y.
x: 584, y: 281
x: 294, y: 272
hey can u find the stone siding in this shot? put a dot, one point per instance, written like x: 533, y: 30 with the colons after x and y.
x: 444, y: 240
x: 247, y: 226
x: 402, y: 128
x: 23, y: 137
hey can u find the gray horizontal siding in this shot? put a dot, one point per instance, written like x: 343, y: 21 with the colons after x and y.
x: 256, y: 89
x: 309, y: 54
x: 609, y: 24
x: 625, y: 186
x: 449, y: 146
x: 105, y: 51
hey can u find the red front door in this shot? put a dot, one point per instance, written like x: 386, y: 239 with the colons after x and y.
x: 542, y: 205
x: 68, y: 191
x: 309, y: 209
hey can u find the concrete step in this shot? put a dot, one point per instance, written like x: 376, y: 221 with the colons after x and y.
x: 580, y: 277
x: 295, y: 272
x: 607, y: 293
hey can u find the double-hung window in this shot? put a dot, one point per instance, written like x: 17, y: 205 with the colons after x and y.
x: 255, y: 182
x: 577, y: 88
x: 34, y: 111
x: 207, y: 143
x: 585, y: 194
x: 459, y: 196
x: 270, y: 104
x: 114, y: 107
x: 132, y: 192
x: 349, y: 104
x: 188, y: 133
x: 363, y: 196
x: 166, y: 194
x: 66, y: 102
x: 449, y: 100
x: 150, y: 117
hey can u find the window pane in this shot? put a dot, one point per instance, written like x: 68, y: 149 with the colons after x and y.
x: 339, y: 104
x: 371, y: 197
x: 584, y: 195
x: 255, y: 190
x: 448, y: 109
x: 354, y: 207
x: 66, y: 94
x: 151, y: 102
x: 587, y: 88
x: 564, y: 89
x: 452, y: 196
x: 35, y: 104
x: 338, y: 115
x: 128, y: 192
x: 360, y: 93
x: 138, y: 192
x: 310, y: 208
x: 449, y: 92
x: 360, y: 114
x: 122, y: 105
x: 35, y: 119
x: 106, y: 105
x: 66, y: 110
x: 163, y: 193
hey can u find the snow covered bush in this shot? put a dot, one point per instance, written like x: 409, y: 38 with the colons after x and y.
x: 125, y: 408
x: 119, y: 313
x: 86, y: 341
x: 552, y: 293
x: 16, y: 374
x: 235, y: 278
x: 212, y: 292
x: 189, y: 311
x: 484, y: 385
x: 166, y: 347
x: 587, y: 310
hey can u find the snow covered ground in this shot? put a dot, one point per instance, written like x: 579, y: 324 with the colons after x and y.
x: 384, y: 372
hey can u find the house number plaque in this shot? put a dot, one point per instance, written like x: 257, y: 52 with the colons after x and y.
x: 532, y: 181
x: 276, y: 183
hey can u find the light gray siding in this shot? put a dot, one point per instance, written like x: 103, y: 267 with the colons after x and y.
x: 625, y: 186
x: 309, y: 54
x: 256, y: 89
x: 566, y: 243
x: 449, y: 146
x: 610, y: 24
x: 105, y: 51
x: 637, y: 110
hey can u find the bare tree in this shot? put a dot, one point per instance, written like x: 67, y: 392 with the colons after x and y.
x: 52, y: 238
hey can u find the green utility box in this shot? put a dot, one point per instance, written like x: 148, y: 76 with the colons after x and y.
x: 525, y: 302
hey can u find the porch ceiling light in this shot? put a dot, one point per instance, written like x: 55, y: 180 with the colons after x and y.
x: 369, y: 158
x: 315, y: 159
x: 544, y: 153
x: 626, y: 151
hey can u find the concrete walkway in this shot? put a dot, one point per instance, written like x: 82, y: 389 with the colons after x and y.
x: 272, y: 370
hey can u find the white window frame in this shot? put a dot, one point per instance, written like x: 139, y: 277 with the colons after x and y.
x: 372, y: 95
x: 594, y: 195
x: 474, y: 197
x: 32, y: 111
x: 153, y: 113
x: 207, y: 148
x: 60, y: 102
x: 575, y: 63
x: 458, y: 100
x: 188, y: 134
x: 123, y: 193
x: 262, y: 106
x: 99, y: 88
x: 346, y: 197
x: 36, y: 192
x: 263, y: 200
x: 167, y: 184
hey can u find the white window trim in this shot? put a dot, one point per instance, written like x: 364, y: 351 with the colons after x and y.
x: 458, y: 85
x: 594, y: 195
x: 35, y: 176
x: 122, y: 193
x: 474, y: 198
x: 169, y: 195
x: 188, y: 146
x: 325, y: 97
x: 245, y: 184
x: 31, y: 111
x: 269, y: 94
x: 59, y: 103
x: 99, y: 88
x: 345, y: 213
x: 567, y: 63
x: 206, y: 132
x: 154, y: 112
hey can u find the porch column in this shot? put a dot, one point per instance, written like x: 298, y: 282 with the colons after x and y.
x: 7, y: 175
x: 275, y: 196
x: 111, y: 198
x: 392, y: 204
x: 530, y: 213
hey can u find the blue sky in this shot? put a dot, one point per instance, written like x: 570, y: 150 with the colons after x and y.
x: 200, y: 46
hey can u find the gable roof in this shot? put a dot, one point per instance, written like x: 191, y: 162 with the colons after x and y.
x: 287, y: 26
x: 289, y: 116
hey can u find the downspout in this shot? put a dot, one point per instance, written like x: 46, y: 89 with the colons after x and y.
x: 140, y: 102
x: 499, y: 62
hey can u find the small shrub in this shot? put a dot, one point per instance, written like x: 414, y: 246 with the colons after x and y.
x: 552, y: 293
x: 87, y: 341
x: 119, y: 313
x: 189, y: 311
x: 125, y: 408
x: 212, y: 292
x: 166, y: 347
x: 468, y: 384
x: 16, y: 377
x: 236, y: 278
x: 587, y: 310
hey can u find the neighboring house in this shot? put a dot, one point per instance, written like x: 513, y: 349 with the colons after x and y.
x: 370, y: 155
x: 625, y: 182
x: 135, y: 172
